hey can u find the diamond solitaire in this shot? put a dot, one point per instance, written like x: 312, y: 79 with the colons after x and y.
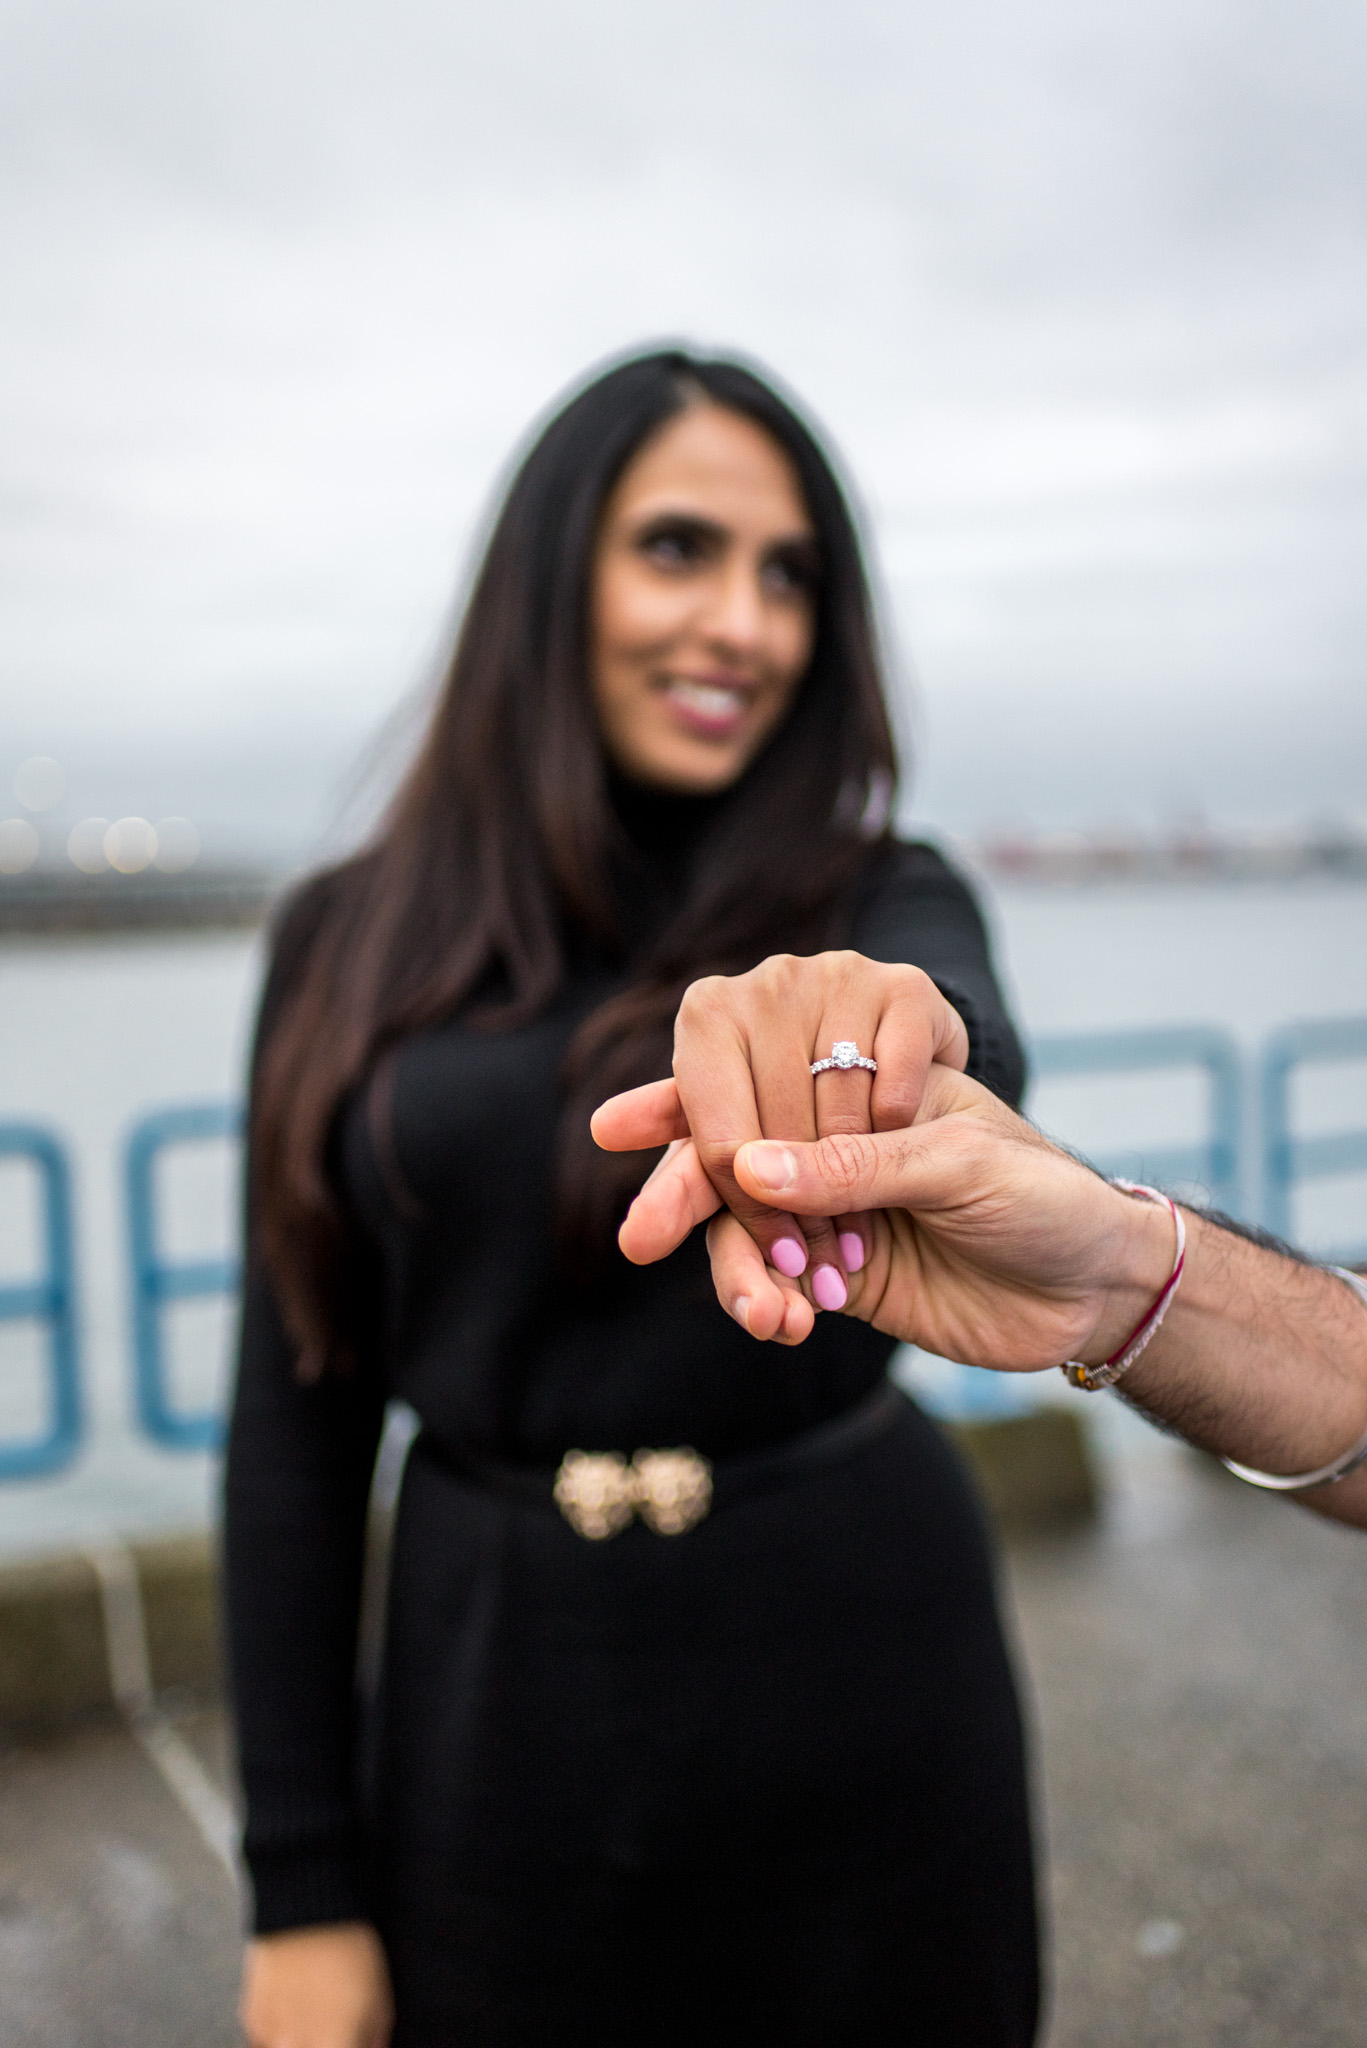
x: 844, y: 1054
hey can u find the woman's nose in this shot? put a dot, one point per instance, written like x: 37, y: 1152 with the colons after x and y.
x: 736, y: 616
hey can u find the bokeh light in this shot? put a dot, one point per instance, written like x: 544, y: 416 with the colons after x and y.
x: 177, y: 846
x: 85, y: 847
x: 39, y: 782
x: 18, y: 846
x: 130, y: 845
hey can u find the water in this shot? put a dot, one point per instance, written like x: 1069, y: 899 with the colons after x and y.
x: 94, y: 1032
x: 1246, y: 958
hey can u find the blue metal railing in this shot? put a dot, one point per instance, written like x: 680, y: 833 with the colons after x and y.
x: 1214, y: 1161
x: 158, y: 1281
x: 1289, y: 1160
x: 1211, y: 1160
x: 50, y: 1299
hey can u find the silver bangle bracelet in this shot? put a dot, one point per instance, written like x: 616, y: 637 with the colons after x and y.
x: 1327, y: 1475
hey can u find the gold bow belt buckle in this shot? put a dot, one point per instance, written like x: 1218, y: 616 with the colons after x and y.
x: 599, y: 1492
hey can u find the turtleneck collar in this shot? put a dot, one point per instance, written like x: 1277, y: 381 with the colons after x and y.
x: 662, y: 825
x: 661, y: 832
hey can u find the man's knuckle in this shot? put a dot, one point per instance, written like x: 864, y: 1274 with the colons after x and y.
x: 900, y: 1150
x: 845, y: 1158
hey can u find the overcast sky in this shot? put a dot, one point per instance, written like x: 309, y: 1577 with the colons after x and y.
x: 1078, y: 289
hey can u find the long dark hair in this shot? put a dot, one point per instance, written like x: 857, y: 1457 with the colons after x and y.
x: 496, y: 858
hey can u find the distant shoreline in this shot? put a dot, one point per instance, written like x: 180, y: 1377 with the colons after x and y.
x: 1070, y: 858
x: 239, y: 898
x: 204, y: 899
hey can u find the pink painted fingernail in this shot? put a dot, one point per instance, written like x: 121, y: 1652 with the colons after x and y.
x: 773, y: 1166
x: 740, y: 1309
x: 789, y: 1256
x: 828, y: 1288
x: 852, y: 1250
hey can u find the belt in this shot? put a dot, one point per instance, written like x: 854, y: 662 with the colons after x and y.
x: 600, y: 1492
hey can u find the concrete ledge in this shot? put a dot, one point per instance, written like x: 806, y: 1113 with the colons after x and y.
x: 1034, y: 1471
x: 54, y: 1657
x: 179, y: 1580
x: 54, y: 1667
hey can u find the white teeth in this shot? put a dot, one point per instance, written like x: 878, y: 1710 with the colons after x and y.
x: 713, y: 700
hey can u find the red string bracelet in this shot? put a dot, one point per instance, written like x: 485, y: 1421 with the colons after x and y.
x: 1092, y: 1378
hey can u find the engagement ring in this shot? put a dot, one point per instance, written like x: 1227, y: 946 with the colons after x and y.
x: 844, y: 1053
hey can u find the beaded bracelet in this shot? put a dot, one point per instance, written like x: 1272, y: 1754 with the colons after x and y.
x: 1093, y: 1378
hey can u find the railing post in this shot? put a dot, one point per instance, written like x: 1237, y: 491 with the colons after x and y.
x: 1288, y: 1159
x: 1274, y: 1099
x: 1228, y: 1182
x: 157, y: 1281
x: 49, y: 1299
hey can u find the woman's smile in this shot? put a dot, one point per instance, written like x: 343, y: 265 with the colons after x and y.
x: 713, y: 706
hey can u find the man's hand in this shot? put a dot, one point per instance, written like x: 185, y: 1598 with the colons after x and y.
x: 984, y: 1242
x: 987, y: 1244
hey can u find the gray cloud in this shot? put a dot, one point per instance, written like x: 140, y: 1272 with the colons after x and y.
x: 1080, y: 293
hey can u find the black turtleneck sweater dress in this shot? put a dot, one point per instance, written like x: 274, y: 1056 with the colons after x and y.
x: 755, y: 1783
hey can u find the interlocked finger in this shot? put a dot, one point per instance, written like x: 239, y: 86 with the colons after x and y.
x: 844, y: 1096
x: 761, y: 1300
x: 718, y: 1099
x: 781, y: 1056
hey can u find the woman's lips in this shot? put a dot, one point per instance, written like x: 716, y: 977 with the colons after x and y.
x: 711, y: 707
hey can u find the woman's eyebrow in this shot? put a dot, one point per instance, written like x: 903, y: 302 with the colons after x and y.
x: 696, y: 523
x: 803, y: 545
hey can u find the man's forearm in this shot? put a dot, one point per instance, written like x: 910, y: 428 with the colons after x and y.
x: 1263, y: 1360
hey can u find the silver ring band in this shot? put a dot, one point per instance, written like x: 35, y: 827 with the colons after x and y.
x: 844, y: 1055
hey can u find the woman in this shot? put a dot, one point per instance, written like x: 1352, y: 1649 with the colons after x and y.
x: 635, y: 1765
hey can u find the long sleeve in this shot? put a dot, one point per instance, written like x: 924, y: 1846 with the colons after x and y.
x: 299, y: 1465
x: 915, y: 908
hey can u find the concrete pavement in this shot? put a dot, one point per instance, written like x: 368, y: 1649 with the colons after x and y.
x: 1197, y: 1665
x: 118, y: 1928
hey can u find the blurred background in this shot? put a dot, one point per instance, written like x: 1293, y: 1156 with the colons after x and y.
x: 1079, y: 294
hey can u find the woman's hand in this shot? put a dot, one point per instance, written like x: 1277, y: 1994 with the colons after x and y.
x: 317, y: 1987
x: 743, y: 1047
x: 988, y: 1245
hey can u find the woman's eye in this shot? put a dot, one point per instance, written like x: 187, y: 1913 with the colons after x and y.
x: 786, y: 575
x: 673, y: 547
